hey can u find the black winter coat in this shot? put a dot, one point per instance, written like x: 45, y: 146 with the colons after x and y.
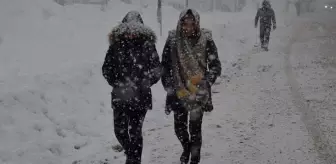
x: 132, y: 62
x: 266, y: 17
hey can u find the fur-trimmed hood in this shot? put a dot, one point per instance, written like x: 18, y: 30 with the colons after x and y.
x: 132, y: 24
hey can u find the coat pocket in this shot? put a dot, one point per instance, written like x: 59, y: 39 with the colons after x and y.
x: 142, y: 100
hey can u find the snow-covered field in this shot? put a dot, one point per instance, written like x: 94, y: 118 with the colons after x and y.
x: 55, y: 104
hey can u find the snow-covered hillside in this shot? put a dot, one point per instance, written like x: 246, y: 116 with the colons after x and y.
x: 55, y: 106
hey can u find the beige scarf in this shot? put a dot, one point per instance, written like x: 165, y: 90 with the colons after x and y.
x: 191, y: 62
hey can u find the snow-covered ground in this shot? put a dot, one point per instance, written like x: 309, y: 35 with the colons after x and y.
x: 55, y: 104
x: 314, y: 67
x: 264, y: 118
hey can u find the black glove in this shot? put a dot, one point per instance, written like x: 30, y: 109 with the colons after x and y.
x: 274, y: 27
x: 208, y: 107
x: 168, y: 109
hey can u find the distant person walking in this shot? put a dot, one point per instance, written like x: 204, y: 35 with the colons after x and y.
x: 266, y: 18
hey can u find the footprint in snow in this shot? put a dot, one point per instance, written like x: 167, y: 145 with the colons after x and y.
x: 264, y: 68
x: 215, y: 126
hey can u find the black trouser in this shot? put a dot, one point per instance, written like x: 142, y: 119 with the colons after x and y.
x: 128, y: 121
x: 265, y: 32
x: 191, y: 140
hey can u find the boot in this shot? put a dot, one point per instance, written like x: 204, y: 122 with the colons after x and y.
x: 129, y: 161
x: 262, y: 43
x: 185, y: 157
x: 195, y: 155
x: 266, y: 46
x: 263, y: 47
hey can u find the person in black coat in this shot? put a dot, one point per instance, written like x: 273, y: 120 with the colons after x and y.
x: 131, y: 67
x: 190, y: 67
x: 266, y: 17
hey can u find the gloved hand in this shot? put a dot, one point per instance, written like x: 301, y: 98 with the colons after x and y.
x: 274, y: 27
x: 192, y: 88
x: 182, y: 93
x: 208, y: 107
x: 193, y: 82
x: 168, y: 108
x: 196, y: 79
x: 167, y: 111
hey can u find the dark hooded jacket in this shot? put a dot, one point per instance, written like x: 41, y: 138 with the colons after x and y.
x: 265, y: 15
x: 132, y: 58
x: 169, y: 54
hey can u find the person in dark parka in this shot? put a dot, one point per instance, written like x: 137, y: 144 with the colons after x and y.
x: 131, y: 67
x: 266, y: 16
x: 190, y: 67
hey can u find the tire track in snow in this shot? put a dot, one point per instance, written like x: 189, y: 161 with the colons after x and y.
x: 308, y: 116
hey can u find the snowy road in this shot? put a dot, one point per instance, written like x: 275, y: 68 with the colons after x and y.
x: 262, y: 114
x: 267, y: 118
x: 310, y: 65
x: 271, y: 107
x: 275, y: 112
